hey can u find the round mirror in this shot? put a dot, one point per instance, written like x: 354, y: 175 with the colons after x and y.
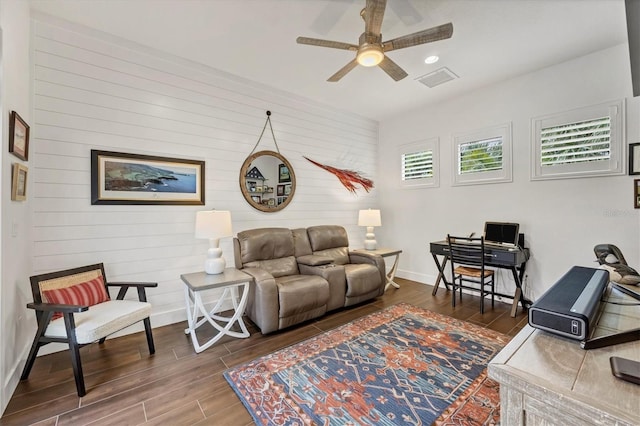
x: 267, y: 181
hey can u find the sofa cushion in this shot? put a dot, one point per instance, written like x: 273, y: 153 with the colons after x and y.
x: 301, y: 293
x: 302, y: 246
x: 265, y: 244
x: 327, y: 236
x: 339, y: 255
x: 276, y: 267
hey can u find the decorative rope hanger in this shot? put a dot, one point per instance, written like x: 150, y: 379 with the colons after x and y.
x: 268, y: 121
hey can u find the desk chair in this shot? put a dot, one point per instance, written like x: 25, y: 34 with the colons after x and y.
x: 467, y: 258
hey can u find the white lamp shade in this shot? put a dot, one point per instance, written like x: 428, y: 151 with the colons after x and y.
x: 369, y: 217
x: 213, y: 224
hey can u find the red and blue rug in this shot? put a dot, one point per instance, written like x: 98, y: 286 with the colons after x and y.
x: 401, y: 366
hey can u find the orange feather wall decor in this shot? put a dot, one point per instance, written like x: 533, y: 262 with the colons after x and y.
x: 348, y: 178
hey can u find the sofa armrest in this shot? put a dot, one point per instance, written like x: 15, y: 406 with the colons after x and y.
x: 372, y: 259
x: 262, y: 303
x: 314, y: 260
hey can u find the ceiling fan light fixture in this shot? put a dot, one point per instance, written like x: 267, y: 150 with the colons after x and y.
x: 369, y: 55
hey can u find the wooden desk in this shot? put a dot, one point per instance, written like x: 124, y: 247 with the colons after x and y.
x: 229, y: 280
x: 546, y: 379
x: 512, y: 259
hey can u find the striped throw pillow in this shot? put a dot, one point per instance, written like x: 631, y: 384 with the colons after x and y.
x: 86, y: 294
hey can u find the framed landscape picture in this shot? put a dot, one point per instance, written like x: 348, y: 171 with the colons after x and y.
x: 122, y: 178
x: 18, y: 136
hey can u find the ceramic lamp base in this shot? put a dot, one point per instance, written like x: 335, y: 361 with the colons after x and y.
x: 215, y: 263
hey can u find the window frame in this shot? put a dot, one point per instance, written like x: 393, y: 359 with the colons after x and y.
x: 614, y: 166
x: 505, y: 174
x: 431, y: 144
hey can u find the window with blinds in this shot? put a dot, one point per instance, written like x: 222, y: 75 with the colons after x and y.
x: 480, y: 156
x: 417, y: 165
x: 483, y: 156
x: 579, y: 143
x: 576, y: 142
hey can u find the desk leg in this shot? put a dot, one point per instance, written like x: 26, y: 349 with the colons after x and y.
x: 519, y: 295
x: 392, y: 274
x: 440, y: 274
x: 195, y: 306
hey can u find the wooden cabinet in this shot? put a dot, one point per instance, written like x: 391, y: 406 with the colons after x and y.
x: 546, y: 379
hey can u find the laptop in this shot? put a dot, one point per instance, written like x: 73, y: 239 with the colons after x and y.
x: 501, y: 234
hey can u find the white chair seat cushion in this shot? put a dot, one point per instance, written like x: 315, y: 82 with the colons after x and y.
x: 102, y: 320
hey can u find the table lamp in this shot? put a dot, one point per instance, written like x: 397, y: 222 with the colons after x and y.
x: 369, y: 218
x: 214, y: 224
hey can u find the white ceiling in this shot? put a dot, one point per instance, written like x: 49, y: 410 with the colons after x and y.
x: 493, y: 40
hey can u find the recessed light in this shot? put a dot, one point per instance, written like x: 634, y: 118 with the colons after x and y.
x: 431, y: 59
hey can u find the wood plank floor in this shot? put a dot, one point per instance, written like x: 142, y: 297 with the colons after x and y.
x: 176, y: 386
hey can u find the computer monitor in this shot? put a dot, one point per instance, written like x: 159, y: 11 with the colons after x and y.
x: 502, y: 233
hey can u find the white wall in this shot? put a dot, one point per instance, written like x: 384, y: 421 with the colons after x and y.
x: 562, y: 219
x: 15, y: 72
x: 97, y: 93
x: 92, y: 91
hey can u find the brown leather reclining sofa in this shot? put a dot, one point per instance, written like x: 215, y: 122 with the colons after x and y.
x: 300, y: 274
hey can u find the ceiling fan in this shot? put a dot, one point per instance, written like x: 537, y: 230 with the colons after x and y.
x: 371, y: 49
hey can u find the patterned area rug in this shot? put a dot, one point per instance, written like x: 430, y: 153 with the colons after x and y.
x: 401, y: 366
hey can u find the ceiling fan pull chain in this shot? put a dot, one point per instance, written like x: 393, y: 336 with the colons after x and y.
x: 268, y: 121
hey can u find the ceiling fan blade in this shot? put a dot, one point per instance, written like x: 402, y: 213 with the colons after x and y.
x: 391, y: 68
x: 343, y: 71
x: 373, y: 15
x: 326, y: 43
x: 440, y: 32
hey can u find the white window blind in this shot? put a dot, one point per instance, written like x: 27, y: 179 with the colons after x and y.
x: 417, y: 165
x: 583, y: 142
x: 480, y: 156
x: 576, y: 142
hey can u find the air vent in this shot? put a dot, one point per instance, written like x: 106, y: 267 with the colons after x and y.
x: 437, y: 77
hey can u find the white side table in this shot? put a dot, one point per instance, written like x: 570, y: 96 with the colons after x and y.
x: 230, y: 280
x: 386, y: 252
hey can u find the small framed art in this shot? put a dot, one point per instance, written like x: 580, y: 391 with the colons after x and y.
x: 19, y: 182
x: 283, y: 174
x: 636, y: 193
x: 18, y: 136
x: 634, y: 159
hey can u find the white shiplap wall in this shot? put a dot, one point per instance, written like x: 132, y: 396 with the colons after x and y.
x: 95, y: 92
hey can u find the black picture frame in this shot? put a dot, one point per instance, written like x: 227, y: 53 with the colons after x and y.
x: 284, y: 175
x: 126, y: 178
x: 636, y: 193
x: 18, y: 136
x: 634, y: 159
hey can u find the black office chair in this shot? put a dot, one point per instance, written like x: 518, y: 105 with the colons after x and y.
x: 467, y: 258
